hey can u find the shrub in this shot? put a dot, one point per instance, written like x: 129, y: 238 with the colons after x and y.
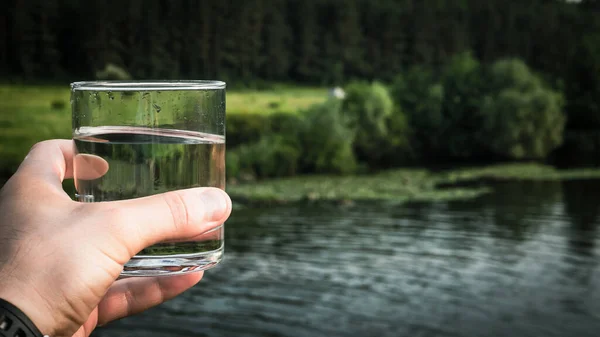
x: 326, y: 141
x: 523, y: 119
x: 271, y: 156
x: 410, y: 88
x: 398, y: 150
x: 462, y: 80
x: 274, y: 105
x: 232, y: 164
x: 421, y: 98
x: 58, y: 104
x: 287, y: 125
x: 512, y: 73
x: 246, y: 128
x: 380, y: 131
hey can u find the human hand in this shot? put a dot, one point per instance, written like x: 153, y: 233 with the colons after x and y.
x: 59, y: 259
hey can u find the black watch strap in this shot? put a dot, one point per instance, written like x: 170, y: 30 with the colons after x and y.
x: 14, y: 323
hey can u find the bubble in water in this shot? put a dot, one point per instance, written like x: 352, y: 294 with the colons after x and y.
x: 158, y: 108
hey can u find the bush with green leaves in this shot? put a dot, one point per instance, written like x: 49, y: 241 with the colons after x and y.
x: 271, y: 156
x: 246, y: 128
x: 326, y: 140
x: 443, y: 110
x: 470, y: 111
x: 523, y: 118
x: 315, y: 141
x: 288, y: 126
x: 418, y: 94
x: 461, y: 130
x: 380, y: 130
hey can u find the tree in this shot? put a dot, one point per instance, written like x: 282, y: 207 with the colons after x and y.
x: 25, y: 36
x: 49, y: 54
x: 324, y: 140
x: 462, y: 80
x: 380, y: 132
x: 350, y: 37
x: 276, y: 37
x: 304, y: 15
x: 419, y: 94
x: 524, y: 119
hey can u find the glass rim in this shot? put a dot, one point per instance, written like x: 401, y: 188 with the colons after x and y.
x: 148, y: 85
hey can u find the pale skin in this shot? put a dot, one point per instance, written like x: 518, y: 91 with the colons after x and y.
x: 60, y: 259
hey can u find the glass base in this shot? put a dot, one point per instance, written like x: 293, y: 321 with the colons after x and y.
x: 167, y: 265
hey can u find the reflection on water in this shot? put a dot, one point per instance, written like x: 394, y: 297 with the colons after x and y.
x: 520, y: 262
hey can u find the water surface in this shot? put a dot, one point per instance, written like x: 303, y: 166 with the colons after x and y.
x: 522, y: 261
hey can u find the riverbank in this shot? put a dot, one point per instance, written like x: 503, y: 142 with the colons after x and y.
x: 398, y: 186
x: 392, y: 187
x: 29, y: 114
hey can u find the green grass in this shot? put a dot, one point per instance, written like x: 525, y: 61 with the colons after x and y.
x: 280, y: 99
x: 517, y: 171
x: 27, y: 114
x: 398, y: 186
x: 393, y: 186
x: 27, y: 117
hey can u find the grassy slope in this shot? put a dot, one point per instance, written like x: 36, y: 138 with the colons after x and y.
x: 27, y: 115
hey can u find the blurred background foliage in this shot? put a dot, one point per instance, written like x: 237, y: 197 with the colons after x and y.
x: 425, y: 81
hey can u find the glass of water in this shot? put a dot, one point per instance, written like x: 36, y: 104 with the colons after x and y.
x: 134, y: 139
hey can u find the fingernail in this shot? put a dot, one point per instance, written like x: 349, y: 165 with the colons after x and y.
x: 215, y: 203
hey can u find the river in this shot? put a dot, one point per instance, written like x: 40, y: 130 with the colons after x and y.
x: 522, y: 261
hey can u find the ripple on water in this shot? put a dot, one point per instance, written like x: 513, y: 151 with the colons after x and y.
x: 520, y: 262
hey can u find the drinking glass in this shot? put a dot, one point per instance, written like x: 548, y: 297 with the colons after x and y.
x: 135, y: 139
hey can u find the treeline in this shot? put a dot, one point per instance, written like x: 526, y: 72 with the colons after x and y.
x: 313, y: 42
x: 469, y: 111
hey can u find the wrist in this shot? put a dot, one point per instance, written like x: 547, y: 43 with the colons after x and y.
x: 14, y: 322
x: 30, y: 309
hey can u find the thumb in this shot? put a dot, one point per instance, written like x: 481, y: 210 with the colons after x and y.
x: 176, y: 215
